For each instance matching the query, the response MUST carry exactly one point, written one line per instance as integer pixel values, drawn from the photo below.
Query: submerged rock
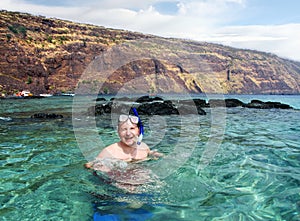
(47, 116)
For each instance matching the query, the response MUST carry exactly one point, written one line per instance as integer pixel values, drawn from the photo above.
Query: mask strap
(140, 138)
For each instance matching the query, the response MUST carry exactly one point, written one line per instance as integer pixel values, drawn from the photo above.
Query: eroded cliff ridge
(48, 55)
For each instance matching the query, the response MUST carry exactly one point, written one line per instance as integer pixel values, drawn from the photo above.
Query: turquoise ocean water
(254, 173)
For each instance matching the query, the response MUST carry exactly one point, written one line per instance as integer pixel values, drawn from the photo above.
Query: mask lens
(123, 117)
(134, 119)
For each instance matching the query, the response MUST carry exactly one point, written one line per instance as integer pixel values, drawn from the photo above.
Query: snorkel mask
(140, 125)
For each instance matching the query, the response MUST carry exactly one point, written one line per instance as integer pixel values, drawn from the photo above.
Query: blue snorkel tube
(140, 125)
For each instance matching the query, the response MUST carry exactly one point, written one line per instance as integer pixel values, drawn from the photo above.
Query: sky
(264, 25)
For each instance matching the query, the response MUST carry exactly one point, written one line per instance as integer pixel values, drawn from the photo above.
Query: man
(129, 148)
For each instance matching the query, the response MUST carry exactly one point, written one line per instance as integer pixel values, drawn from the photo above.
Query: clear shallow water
(255, 174)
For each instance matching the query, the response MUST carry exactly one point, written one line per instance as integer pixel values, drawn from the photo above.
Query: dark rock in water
(200, 103)
(47, 116)
(266, 105)
(192, 106)
(100, 109)
(145, 99)
(230, 102)
(157, 108)
(100, 99)
(110, 107)
(233, 102)
(278, 105)
(197, 102)
(216, 103)
(188, 109)
(125, 99)
(121, 107)
(253, 104)
(146, 108)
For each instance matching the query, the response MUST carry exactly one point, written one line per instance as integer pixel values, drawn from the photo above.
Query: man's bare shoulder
(144, 146)
(112, 146)
(108, 151)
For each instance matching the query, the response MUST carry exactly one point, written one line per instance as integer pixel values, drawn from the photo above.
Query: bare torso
(122, 152)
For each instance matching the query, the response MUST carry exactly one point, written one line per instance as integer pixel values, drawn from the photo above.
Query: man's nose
(128, 132)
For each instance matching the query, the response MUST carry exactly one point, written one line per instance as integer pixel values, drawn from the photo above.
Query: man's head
(128, 129)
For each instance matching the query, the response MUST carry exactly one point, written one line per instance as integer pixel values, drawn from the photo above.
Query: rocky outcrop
(266, 105)
(146, 106)
(157, 106)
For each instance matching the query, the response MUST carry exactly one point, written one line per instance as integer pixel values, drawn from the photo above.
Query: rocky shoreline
(147, 105)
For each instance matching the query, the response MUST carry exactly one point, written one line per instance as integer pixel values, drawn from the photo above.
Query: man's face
(128, 133)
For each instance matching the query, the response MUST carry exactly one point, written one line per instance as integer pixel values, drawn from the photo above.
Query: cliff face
(47, 55)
